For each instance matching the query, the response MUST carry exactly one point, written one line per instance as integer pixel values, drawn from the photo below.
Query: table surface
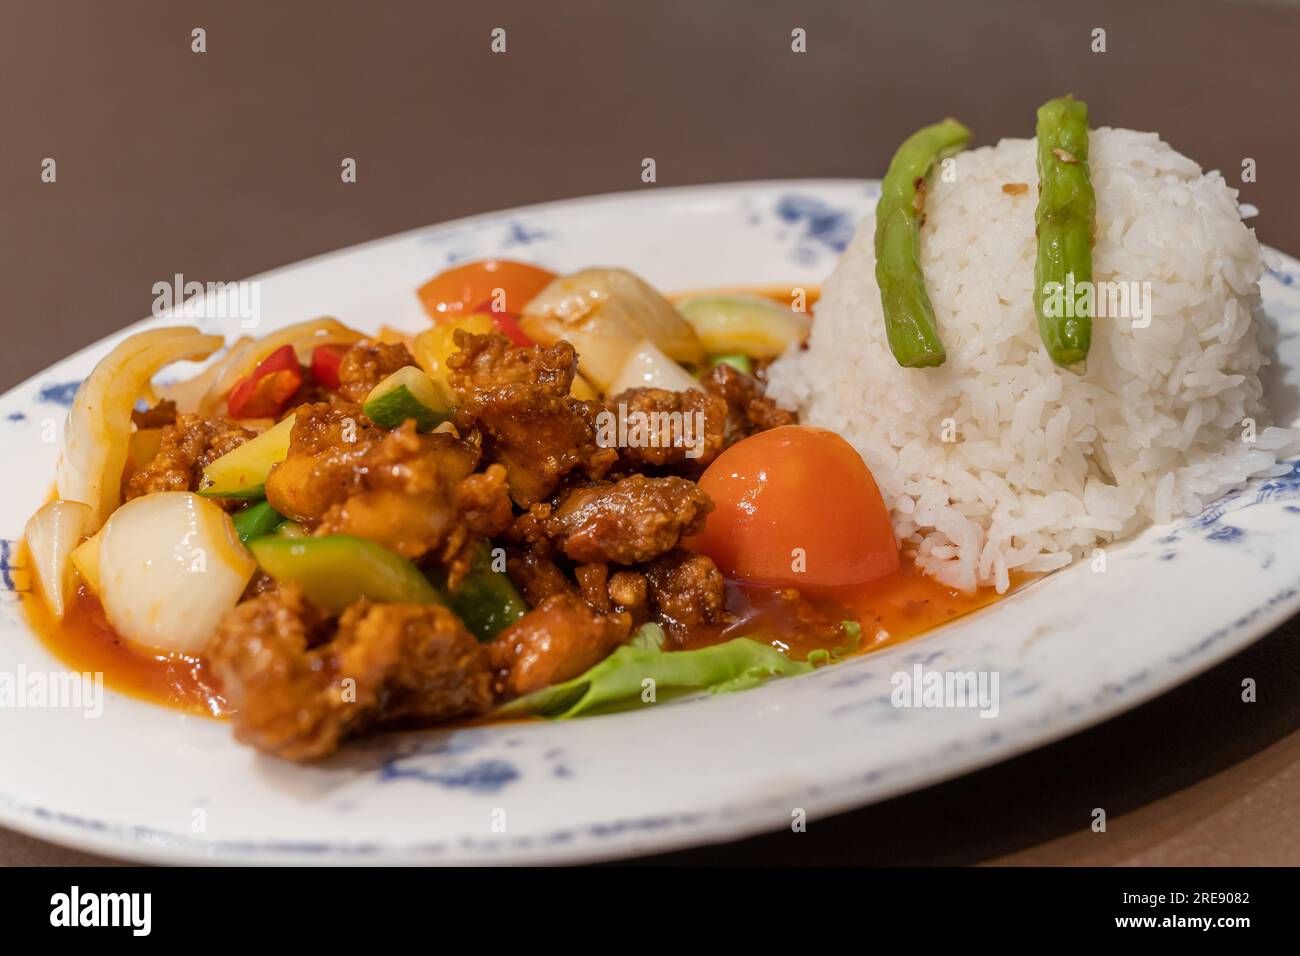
(224, 164)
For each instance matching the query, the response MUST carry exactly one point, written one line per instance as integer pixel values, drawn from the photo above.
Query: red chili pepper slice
(265, 397)
(267, 391)
(325, 361)
(282, 358)
(507, 324)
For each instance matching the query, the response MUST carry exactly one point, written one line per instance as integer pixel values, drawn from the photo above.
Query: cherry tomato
(796, 507)
(504, 284)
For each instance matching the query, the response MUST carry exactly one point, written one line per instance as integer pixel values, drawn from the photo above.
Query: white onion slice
(647, 367)
(52, 535)
(604, 313)
(188, 394)
(170, 565)
(98, 432)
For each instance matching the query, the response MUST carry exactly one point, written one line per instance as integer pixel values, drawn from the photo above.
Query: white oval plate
(148, 783)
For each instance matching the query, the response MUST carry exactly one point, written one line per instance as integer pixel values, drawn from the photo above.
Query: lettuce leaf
(616, 682)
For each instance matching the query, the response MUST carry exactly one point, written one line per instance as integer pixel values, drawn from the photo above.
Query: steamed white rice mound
(1042, 465)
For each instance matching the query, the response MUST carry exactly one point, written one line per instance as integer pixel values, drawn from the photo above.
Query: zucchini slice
(335, 571)
(487, 600)
(408, 393)
(747, 324)
(242, 472)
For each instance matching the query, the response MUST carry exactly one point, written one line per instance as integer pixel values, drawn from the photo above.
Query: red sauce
(84, 641)
(894, 608)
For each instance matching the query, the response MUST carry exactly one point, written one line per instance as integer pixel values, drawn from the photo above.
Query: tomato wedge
(505, 285)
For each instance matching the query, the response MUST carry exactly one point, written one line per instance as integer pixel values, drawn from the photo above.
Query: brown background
(226, 164)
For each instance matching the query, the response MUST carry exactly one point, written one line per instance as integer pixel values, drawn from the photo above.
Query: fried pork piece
(483, 506)
(557, 640)
(625, 522)
(484, 502)
(680, 428)
(485, 362)
(519, 399)
(687, 590)
(749, 409)
(407, 491)
(366, 365)
(293, 696)
(188, 446)
(536, 575)
(629, 591)
(593, 583)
